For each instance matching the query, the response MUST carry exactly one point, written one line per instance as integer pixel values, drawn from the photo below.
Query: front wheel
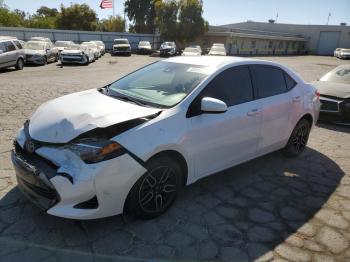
(156, 190)
(19, 64)
(298, 139)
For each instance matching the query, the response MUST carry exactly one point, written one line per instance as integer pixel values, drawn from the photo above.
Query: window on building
(253, 44)
(280, 45)
(293, 45)
(270, 80)
(270, 44)
(242, 44)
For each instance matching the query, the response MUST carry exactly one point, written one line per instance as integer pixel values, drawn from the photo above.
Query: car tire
(87, 61)
(298, 139)
(156, 190)
(19, 64)
(44, 60)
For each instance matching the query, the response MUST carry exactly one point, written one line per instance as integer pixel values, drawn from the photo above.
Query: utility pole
(329, 15)
(276, 18)
(113, 9)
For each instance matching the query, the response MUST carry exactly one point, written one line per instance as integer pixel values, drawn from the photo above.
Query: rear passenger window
(2, 47)
(270, 80)
(10, 46)
(233, 86)
(18, 44)
(290, 82)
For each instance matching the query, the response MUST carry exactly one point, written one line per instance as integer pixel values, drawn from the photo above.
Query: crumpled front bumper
(73, 59)
(35, 59)
(74, 189)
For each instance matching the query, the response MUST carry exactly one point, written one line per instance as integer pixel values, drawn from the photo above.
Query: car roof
(212, 61)
(8, 38)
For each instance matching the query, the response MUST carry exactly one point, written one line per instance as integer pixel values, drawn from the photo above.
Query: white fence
(79, 36)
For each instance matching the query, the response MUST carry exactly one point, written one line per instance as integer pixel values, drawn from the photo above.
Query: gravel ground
(271, 208)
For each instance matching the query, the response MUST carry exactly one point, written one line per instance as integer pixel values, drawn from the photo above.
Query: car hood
(333, 89)
(167, 47)
(78, 52)
(34, 52)
(63, 119)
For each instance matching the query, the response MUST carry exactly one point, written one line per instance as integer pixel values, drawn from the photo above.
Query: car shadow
(235, 215)
(334, 127)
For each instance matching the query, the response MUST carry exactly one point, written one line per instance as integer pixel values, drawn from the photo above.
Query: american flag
(106, 4)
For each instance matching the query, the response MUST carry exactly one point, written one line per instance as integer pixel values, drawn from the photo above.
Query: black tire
(298, 139)
(87, 61)
(19, 64)
(156, 190)
(44, 60)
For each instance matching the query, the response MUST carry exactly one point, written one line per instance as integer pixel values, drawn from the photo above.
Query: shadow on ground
(334, 127)
(237, 215)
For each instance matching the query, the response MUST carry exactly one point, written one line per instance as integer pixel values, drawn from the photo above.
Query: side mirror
(213, 105)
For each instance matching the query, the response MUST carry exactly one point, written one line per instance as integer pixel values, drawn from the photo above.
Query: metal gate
(328, 42)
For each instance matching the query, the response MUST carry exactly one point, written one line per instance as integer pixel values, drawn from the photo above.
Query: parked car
(40, 52)
(62, 45)
(121, 46)
(218, 44)
(344, 53)
(41, 39)
(168, 49)
(198, 47)
(101, 46)
(192, 51)
(11, 53)
(337, 52)
(144, 47)
(134, 143)
(334, 88)
(77, 54)
(95, 49)
(217, 50)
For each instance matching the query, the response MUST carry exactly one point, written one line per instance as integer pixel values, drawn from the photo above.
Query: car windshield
(121, 42)
(340, 74)
(34, 46)
(191, 50)
(62, 44)
(162, 84)
(144, 43)
(217, 49)
(74, 47)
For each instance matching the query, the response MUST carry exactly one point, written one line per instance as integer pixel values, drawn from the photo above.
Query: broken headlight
(95, 150)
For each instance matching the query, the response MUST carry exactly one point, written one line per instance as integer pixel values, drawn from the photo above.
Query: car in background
(334, 89)
(41, 39)
(121, 46)
(218, 44)
(133, 144)
(11, 53)
(337, 52)
(144, 47)
(168, 49)
(192, 51)
(344, 53)
(40, 52)
(101, 46)
(217, 50)
(62, 45)
(94, 47)
(77, 54)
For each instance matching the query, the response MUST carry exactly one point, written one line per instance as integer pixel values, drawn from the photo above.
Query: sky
(219, 12)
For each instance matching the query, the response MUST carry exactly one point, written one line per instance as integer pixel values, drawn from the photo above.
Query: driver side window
(233, 86)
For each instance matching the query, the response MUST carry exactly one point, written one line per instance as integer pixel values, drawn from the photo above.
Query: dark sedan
(334, 89)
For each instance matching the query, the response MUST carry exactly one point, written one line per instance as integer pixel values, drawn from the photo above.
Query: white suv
(121, 46)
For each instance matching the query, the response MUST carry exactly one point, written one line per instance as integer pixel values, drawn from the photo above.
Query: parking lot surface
(271, 208)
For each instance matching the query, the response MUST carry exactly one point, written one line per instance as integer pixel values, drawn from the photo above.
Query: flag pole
(113, 9)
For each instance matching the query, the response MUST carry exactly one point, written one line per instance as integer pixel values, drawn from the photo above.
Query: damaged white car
(133, 144)
(77, 54)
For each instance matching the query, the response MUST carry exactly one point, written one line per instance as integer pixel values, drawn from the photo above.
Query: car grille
(72, 59)
(121, 48)
(329, 105)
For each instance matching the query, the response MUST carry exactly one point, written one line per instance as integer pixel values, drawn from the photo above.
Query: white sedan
(77, 54)
(133, 144)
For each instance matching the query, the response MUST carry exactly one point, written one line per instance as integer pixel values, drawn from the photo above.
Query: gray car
(40, 52)
(11, 53)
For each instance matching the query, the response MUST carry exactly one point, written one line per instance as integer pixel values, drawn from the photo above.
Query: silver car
(40, 52)
(11, 53)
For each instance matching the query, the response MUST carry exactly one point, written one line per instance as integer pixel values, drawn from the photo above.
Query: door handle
(253, 112)
(296, 99)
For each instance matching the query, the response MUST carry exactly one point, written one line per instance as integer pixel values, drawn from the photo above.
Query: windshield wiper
(128, 99)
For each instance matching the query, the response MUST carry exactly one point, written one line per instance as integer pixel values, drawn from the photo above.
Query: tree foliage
(77, 17)
(112, 24)
(166, 18)
(142, 13)
(8, 18)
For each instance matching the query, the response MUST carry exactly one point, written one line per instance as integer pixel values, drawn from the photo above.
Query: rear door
(3, 55)
(224, 139)
(278, 103)
(11, 53)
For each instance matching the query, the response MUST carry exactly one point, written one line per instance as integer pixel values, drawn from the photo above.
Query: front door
(225, 139)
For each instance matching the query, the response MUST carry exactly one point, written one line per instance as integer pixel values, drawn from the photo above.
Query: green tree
(191, 23)
(77, 17)
(9, 18)
(45, 11)
(166, 18)
(142, 13)
(112, 24)
(44, 18)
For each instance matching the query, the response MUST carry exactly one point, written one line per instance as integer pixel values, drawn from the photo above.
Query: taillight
(317, 93)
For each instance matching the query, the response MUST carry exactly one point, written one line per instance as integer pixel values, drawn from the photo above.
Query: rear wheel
(19, 64)
(298, 139)
(156, 190)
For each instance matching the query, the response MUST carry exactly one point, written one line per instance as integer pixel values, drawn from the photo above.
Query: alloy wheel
(300, 139)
